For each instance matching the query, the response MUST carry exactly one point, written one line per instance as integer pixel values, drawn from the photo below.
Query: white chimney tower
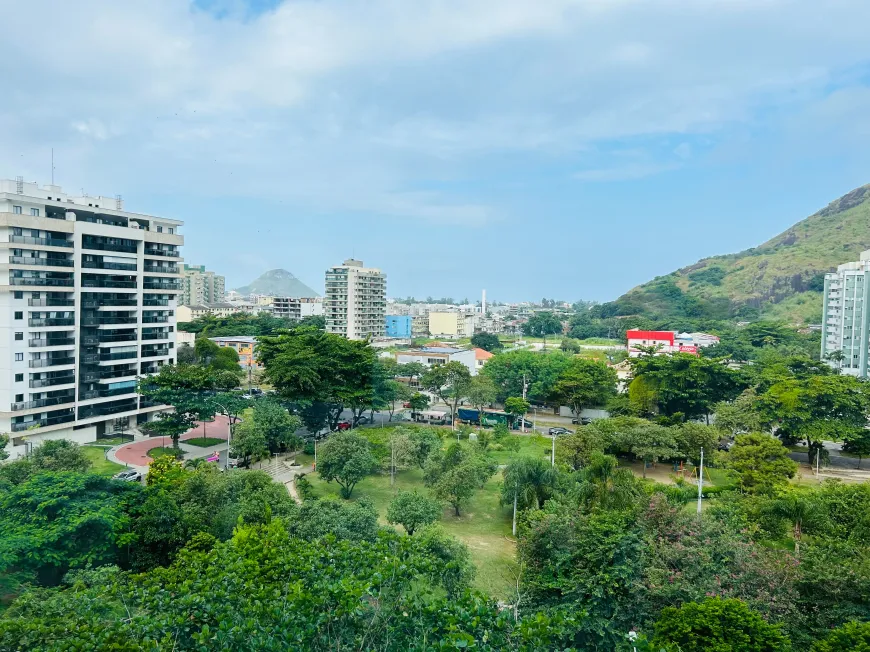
(483, 304)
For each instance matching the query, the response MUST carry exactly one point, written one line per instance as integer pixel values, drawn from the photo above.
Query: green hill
(278, 283)
(780, 279)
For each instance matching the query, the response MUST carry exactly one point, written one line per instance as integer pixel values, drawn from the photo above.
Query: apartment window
(19, 336)
(19, 378)
(16, 210)
(171, 230)
(159, 229)
(19, 357)
(36, 295)
(19, 314)
(34, 212)
(19, 398)
(18, 294)
(16, 230)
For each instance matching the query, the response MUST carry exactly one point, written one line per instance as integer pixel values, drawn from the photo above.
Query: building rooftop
(482, 354)
(244, 339)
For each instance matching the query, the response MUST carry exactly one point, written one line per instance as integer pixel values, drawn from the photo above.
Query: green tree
(346, 457)
(854, 637)
(455, 474)
(410, 370)
(517, 407)
(56, 521)
(739, 416)
(487, 342)
(692, 437)
(799, 511)
(59, 455)
(585, 383)
(818, 409)
(649, 442)
(603, 484)
(450, 382)
(531, 480)
(481, 394)
(542, 324)
(719, 626)
(249, 442)
(761, 462)
(310, 366)
(394, 393)
(413, 510)
(277, 425)
(4, 441)
(684, 384)
(419, 402)
(510, 370)
(424, 442)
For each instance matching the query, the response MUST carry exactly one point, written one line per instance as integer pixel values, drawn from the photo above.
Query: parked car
(343, 425)
(129, 475)
(559, 430)
(362, 420)
(583, 421)
(406, 404)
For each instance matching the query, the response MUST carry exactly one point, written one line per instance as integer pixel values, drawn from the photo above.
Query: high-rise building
(356, 300)
(845, 317)
(200, 286)
(87, 298)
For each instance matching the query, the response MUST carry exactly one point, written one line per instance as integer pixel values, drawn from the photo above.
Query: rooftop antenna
(19, 185)
(119, 202)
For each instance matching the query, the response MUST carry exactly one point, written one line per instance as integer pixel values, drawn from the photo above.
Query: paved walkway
(135, 454)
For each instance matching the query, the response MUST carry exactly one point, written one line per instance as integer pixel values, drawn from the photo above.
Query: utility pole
(522, 416)
(701, 482)
(553, 454)
(514, 527)
(392, 463)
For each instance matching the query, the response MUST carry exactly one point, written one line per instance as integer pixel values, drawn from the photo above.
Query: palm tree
(604, 484)
(836, 356)
(528, 482)
(799, 512)
(194, 463)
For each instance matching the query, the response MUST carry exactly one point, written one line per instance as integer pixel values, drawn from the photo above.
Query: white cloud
(385, 107)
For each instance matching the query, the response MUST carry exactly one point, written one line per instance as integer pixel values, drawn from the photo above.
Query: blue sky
(558, 148)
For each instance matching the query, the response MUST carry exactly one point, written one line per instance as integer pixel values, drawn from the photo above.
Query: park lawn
(530, 446)
(600, 341)
(205, 442)
(484, 525)
(108, 442)
(99, 464)
(158, 451)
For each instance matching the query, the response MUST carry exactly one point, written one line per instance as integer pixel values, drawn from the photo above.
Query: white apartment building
(200, 286)
(356, 301)
(845, 320)
(296, 308)
(87, 300)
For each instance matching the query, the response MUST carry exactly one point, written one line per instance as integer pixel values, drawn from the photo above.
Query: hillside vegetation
(780, 279)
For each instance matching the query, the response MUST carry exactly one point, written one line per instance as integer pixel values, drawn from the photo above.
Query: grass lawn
(158, 451)
(205, 442)
(111, 441)
(484, 525)
(600, 341)
(100, 465)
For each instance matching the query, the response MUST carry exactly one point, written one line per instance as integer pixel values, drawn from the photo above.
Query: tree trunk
(644, 468)
(456, 508)
(797, 539)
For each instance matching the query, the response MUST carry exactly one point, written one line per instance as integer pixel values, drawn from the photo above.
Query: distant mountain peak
(278, 283)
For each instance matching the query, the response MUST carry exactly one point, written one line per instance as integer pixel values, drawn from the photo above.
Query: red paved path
(135, 453)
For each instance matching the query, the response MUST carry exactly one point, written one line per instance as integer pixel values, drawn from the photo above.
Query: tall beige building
(356, 301)
(199, 286)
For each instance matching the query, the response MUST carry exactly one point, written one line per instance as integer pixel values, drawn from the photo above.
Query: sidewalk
(135, 454)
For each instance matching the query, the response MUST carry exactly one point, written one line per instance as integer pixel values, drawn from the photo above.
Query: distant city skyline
(567, 148)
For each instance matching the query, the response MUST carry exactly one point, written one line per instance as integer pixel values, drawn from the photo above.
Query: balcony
(153, 251)
(111, 374)
(21, 426)
(33, 260)
(155, 336)
(154, 319)
(104, 409)
(108, 282)
(45, 242)
(121, 337)
(55, 341)
(109, 303)
(51, 382)
(109, 244)
(51, 362)
(165, 269)
(147, 301)
(109, 320)
(122, 355)
(43, 402)
(38, 280)
(156, 353)
(50, 302)
(51, 321)
(103, 393)
(154, 284)
(95, 264)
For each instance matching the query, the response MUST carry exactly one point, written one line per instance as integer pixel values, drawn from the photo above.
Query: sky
(567, 149)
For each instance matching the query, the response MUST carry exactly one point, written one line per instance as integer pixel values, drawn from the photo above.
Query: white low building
(435, 355)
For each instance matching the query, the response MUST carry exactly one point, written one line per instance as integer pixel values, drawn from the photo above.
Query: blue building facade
(398, 326)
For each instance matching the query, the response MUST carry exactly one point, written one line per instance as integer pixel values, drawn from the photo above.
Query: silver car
(129, 475)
